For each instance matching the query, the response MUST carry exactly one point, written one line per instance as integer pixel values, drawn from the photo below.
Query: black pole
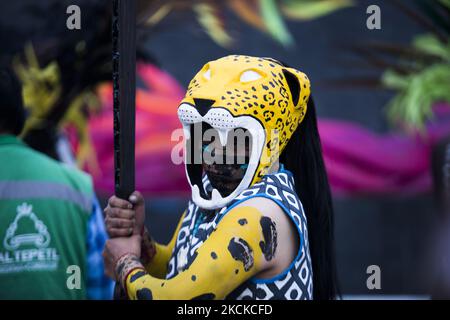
(124, 90)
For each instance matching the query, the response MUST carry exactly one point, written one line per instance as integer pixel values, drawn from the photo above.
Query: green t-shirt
(44, 210)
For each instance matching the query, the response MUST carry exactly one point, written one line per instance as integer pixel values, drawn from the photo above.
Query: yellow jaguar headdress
(257, 94)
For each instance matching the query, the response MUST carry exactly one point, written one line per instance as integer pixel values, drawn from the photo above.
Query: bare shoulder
(268, 208)
(281, 242)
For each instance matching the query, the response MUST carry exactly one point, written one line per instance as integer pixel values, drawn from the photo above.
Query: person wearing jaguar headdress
(259, 224)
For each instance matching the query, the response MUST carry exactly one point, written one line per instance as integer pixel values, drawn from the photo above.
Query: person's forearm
(154, 256)
(230, 256)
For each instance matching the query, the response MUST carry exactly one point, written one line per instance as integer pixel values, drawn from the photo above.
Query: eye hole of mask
(250, 75)
(207, 74)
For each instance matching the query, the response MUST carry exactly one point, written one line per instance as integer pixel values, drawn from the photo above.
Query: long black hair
(303, 157)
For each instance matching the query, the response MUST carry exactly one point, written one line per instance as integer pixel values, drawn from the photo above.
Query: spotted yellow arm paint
(231, 255)
(155, 256)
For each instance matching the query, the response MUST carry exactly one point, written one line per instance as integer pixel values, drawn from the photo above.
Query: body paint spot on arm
(144, 294)
(240, 250)
(137, 275)
(269, 245)
(242, 222)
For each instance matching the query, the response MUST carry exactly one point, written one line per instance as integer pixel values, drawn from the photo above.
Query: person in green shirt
(51, 226)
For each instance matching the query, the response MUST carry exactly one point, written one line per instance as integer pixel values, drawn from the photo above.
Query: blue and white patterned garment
(98, 286)
(295, 283)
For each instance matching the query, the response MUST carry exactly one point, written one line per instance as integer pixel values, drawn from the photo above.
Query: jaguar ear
(294, 85)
